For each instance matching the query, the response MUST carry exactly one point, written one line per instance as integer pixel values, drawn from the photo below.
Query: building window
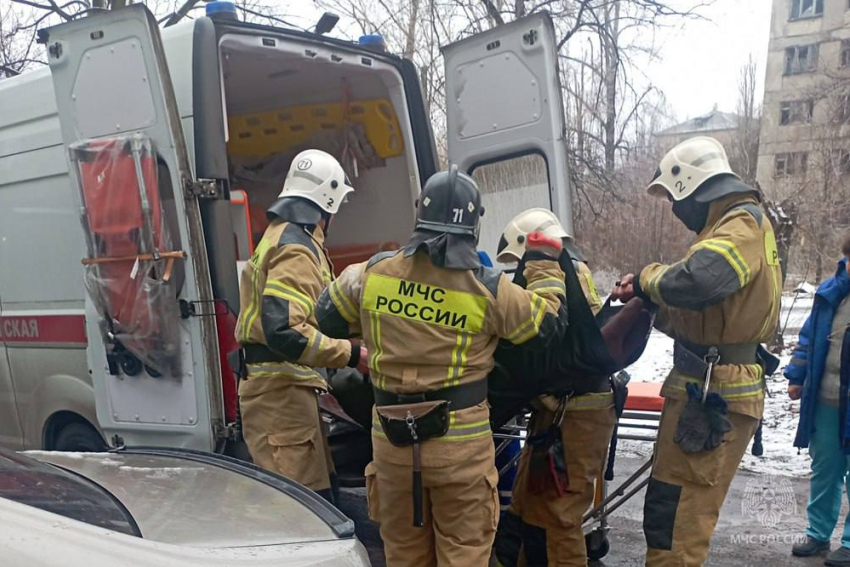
(841, 161)
(791, 163)
(806, 9)
(845, 52)
(796, 111)
(801, 59)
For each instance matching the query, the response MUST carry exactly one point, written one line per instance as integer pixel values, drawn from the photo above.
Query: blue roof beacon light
(222, 10)
(373, 42)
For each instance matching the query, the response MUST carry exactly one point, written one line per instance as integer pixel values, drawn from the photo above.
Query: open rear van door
(154, 359)
(505, 121)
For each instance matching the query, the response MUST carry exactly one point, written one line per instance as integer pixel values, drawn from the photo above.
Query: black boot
(838, 558)
(810, 547)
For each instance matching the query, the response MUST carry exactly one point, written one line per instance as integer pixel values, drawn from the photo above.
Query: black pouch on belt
(409, 425)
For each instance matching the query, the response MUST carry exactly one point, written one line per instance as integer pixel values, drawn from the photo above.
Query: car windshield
(184, 501)
(62, 492)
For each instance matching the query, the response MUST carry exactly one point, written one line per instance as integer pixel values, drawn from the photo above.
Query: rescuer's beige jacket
(278, 290)
(588, 286)
(725, 291)
(429, 328)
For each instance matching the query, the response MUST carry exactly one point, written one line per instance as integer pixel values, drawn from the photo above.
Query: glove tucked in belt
(702, 425)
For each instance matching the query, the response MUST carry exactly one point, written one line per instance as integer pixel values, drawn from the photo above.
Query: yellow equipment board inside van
(275, 131)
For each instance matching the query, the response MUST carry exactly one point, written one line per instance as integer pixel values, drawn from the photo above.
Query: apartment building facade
(806, 111)
(804, 144)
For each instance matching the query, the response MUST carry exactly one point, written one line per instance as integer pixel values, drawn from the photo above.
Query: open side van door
(505, 121)
(154, 360)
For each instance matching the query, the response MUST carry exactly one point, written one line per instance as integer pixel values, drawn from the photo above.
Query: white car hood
(34, 538)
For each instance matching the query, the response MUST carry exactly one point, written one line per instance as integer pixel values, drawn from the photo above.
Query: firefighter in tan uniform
(543, 526)
(432, 316)
(719, 303)
(284, 350)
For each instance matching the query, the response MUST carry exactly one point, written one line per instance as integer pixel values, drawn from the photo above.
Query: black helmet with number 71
(450, 203)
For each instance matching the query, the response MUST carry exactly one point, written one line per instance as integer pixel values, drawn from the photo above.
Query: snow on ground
(780, 413)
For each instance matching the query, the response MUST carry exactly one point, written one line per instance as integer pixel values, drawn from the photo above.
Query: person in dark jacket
(819, 375)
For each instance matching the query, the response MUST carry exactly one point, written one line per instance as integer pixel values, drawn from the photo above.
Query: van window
(508, 187)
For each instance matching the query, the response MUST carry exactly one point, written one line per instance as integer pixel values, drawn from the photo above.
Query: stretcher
(130, 260)
(641, 417)
(642, 413)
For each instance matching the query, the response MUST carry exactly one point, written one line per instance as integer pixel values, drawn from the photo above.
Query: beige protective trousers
(460, 506)
(686, 491)
(551, 526)
(285, 433)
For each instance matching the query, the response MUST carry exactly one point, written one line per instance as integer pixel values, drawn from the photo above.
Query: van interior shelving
(285, 96)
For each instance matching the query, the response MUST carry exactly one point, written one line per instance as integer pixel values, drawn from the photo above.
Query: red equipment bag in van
(130, 258)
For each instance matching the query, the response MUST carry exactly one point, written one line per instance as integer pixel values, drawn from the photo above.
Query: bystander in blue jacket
(819, 373)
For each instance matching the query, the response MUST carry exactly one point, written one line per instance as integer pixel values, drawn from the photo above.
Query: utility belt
(460, 397)
(256, 353)
(260, 360)
(408, 420)
(582, 385)
(691, 359)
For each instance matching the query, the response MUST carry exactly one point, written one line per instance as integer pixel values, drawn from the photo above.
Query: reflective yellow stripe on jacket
(530, 326)
(591, 401)
(732, 255)
(733, 391)
(247, 317)
(284, 291)
(271, 369)
(344, 305)
(548, 285)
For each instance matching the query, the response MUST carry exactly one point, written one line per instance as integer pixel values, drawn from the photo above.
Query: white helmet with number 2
(512, 244)
(318, 177)
(687, 166)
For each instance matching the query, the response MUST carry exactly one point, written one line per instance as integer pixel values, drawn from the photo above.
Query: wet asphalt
(763, 516)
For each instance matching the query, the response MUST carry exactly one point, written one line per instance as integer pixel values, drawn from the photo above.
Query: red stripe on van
(66, 329)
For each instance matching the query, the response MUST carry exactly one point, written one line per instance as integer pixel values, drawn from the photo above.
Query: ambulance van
(135, 170)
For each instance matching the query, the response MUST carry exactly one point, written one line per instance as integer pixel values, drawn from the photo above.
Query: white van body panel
(42, 335)
(43, 368)
(46, 320)
(110, 78)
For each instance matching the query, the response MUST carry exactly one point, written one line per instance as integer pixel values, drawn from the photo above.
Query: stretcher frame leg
(619, 496)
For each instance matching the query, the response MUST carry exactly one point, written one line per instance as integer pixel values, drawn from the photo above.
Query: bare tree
(16, 55)
(743, 153)
(21, 19)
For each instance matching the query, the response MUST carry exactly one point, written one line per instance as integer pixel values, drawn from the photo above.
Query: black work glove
(701, 425)
(718, 420)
